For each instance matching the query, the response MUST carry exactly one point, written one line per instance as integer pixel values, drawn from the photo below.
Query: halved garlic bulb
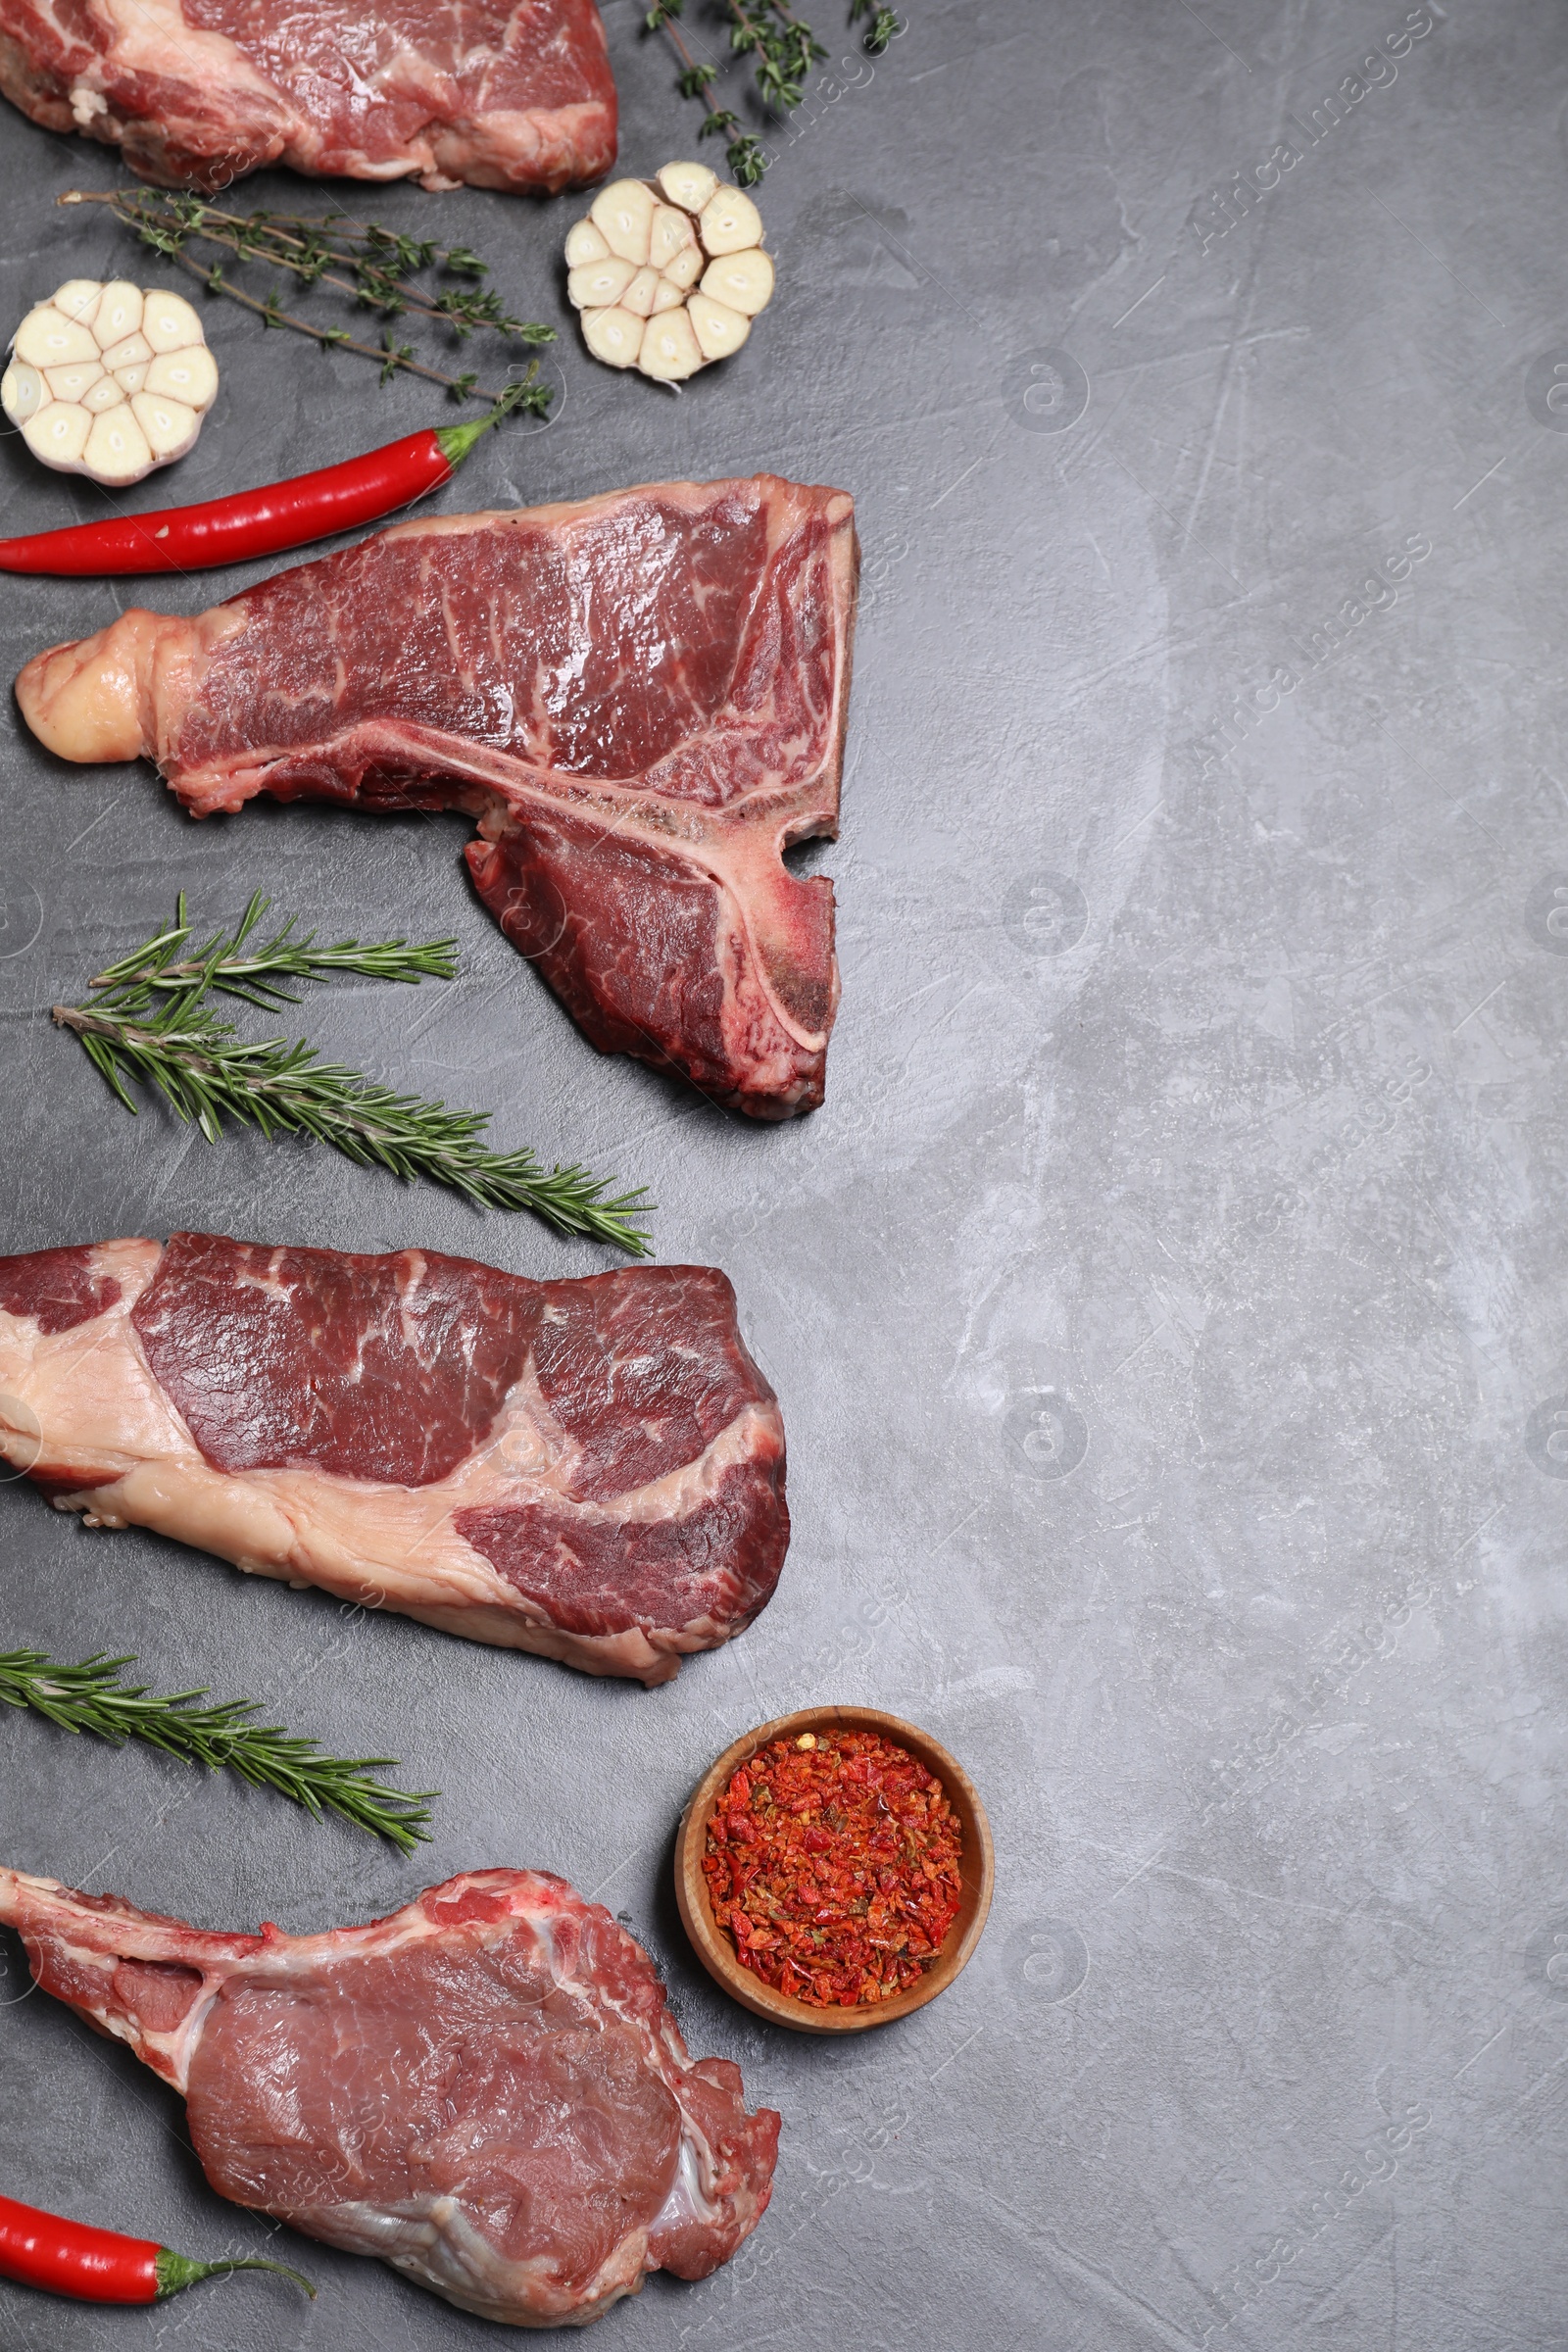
(669, 274)
(110, 380)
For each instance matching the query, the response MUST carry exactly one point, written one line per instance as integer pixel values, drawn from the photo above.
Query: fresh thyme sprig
(92, 1698)
(882, 29)
(742, 153)
(148, 1023)
(373, 266)
(784, 49)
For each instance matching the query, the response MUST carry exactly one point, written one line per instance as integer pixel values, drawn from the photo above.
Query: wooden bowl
(717, 1953)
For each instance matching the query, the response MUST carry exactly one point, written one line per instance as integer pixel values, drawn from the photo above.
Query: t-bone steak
(592, 1469)
(641, 699)
(500, 93)
(487, 2089)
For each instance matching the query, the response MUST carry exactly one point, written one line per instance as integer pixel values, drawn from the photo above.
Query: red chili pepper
(255, 522)
(97, 2266)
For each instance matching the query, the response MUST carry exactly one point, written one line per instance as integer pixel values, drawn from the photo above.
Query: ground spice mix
(832, 1863)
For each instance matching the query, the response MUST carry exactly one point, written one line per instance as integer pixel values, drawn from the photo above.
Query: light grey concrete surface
(1168, 1304)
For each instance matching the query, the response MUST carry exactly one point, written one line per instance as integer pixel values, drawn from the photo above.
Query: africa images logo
(1546, 1436)
(1046, 391)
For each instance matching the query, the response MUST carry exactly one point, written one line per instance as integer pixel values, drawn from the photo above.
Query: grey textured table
(1167, 1306)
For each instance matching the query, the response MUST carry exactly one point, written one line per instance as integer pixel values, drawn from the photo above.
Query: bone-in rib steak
(487, 2089)
(593, 1469)
(640, 697)
(500, 93)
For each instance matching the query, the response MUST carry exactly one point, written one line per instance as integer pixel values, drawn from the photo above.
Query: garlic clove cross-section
(689, 185)
(669, 233)
(119, 313)
(110, 380)
(118, 451)
(730, 221)
(78, 298)
(670, 349)
(58, 433)
(597, 284)
(584, 244)
(168, 424)
(669, 274)
(719, 329)
(25, 391)
(624, 214)
(639, 297)
(744, 280)
(169, 323)
(613, 336)
(75, 381)
(189, 374)
(130, 351)
(686, 269)
(47, 338)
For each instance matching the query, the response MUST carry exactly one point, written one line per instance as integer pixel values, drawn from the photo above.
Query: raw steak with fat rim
(487, 2089)
(500, 93)
(593, 1469)
(641, 699)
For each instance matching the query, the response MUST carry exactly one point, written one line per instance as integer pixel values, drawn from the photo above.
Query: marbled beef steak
(487, 2089)
(592, 1469)
(500, 93)
(640, 699)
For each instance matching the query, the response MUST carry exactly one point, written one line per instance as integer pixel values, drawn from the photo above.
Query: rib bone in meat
(486, 2089)
(640, 699)
(590, 1469)
(500, 93)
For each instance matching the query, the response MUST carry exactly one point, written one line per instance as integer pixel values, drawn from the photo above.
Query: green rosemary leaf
(148, 1024)
(258, 976)
(92, 1698)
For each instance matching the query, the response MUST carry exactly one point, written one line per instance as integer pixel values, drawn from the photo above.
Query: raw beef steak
(593, 1469)
(641, 699)
(500, 93)
(487, 2089)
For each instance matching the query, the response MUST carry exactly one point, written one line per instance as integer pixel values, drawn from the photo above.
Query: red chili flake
(833, 1864)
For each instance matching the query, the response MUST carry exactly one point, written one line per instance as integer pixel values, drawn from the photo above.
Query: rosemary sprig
(258, 975)
(148, 1026)
(92, 1698)
(374, 266)
(784, 50)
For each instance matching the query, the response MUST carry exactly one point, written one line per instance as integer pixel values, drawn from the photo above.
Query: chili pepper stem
(101, 2266)
(456, 440)
(178, 2270)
